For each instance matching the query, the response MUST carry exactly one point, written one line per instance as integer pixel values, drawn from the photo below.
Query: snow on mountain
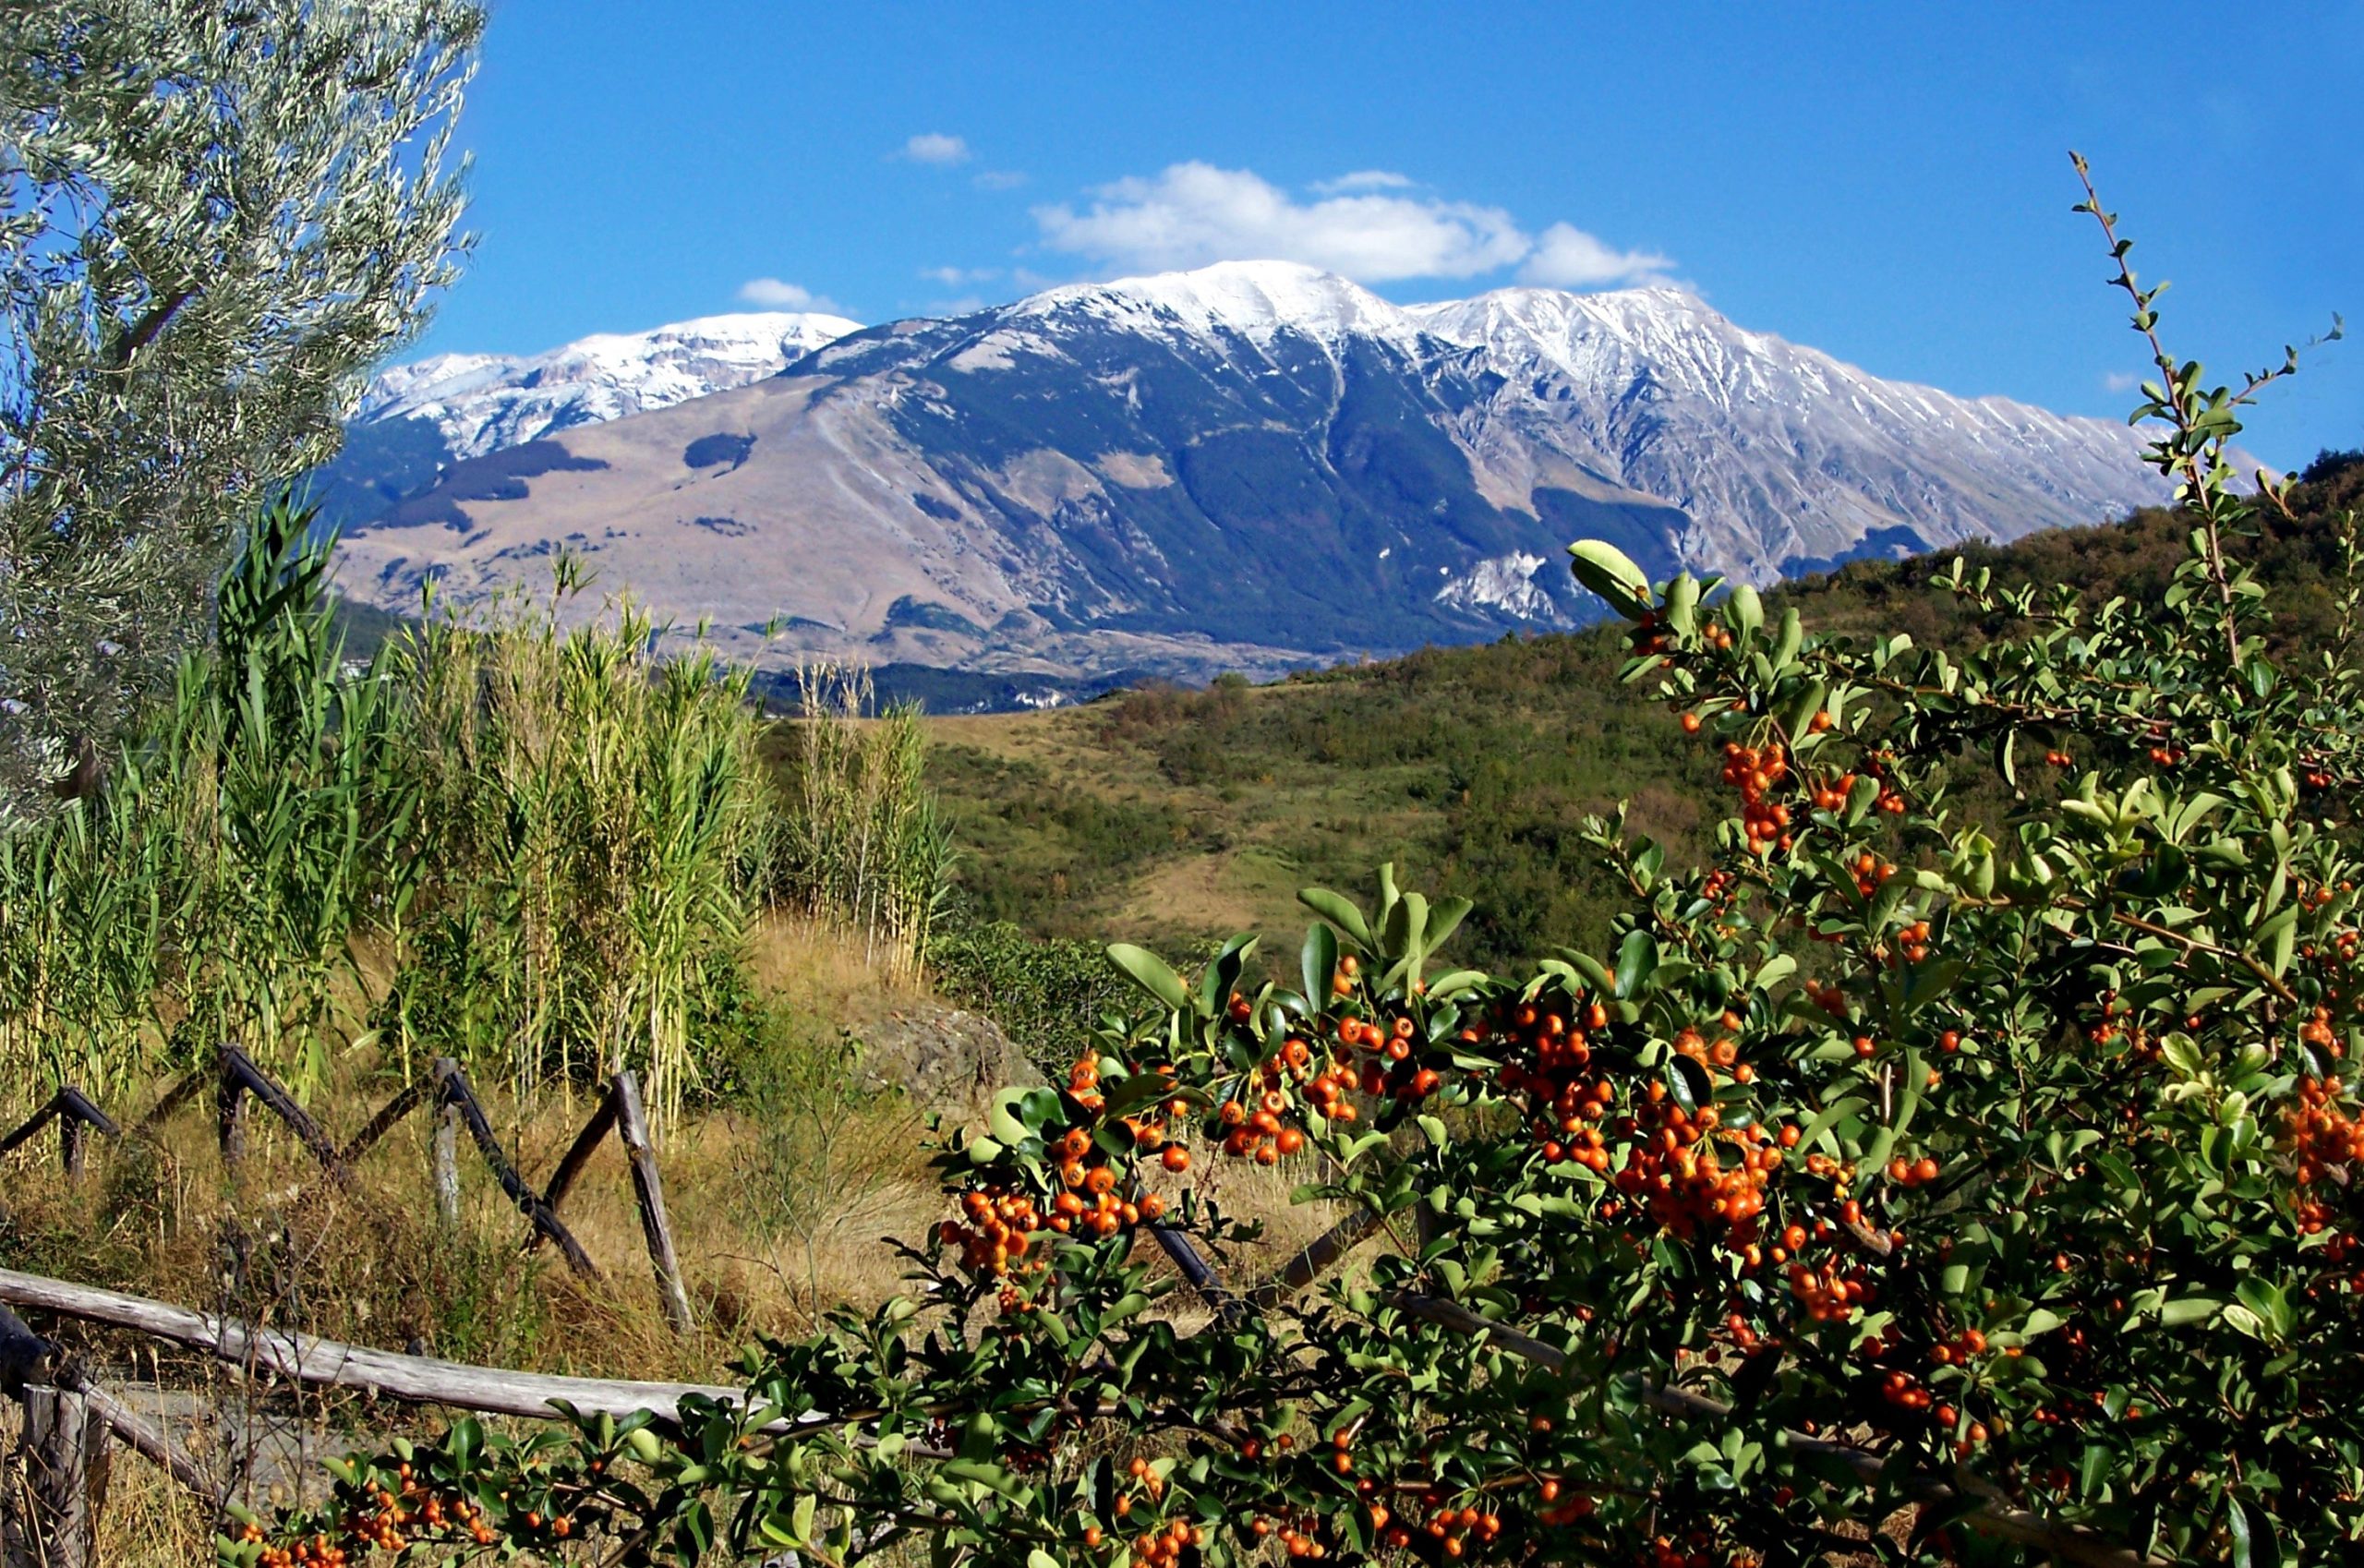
(1782, 456)
(481, 403)
(1249, 466)
(1254, 300)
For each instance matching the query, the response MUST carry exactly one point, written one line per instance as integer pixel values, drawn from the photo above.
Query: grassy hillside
(1168, 816)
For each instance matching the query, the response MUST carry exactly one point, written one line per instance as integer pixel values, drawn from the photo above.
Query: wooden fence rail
(70, 1420)
(237, 1081)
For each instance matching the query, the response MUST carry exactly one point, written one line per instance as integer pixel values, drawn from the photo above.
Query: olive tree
(216, 218)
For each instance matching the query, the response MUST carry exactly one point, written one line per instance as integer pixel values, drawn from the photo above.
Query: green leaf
(1444, 918)
(1150, 973)
(1606, 571)
(1682, 603)
(1829, 1118)
(1339, 911)
(1748, 610)
(1688, 1083)
(1636, 955)
(1318, 964)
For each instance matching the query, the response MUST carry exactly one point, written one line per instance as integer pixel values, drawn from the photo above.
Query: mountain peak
(1251, 299)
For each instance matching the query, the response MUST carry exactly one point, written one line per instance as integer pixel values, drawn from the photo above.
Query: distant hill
(1254, 467)
(1170, 816)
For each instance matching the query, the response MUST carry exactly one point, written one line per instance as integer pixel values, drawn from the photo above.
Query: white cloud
(1362, 179)
(1566, 256)
(2120, 381)
(999, 179)
(1369, 227)
(935, 147)
(774, 295)
(1196, 213)
(954, 277)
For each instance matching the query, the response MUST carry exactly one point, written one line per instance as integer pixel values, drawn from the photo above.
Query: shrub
(1049, 995)
(1911, 1181)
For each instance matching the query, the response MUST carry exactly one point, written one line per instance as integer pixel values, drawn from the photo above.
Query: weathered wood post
(230, 1115)
(446, 1160)
(632, 1126)
(65, 1454)
(73, 1137)
(77, 1119)
(51, 1520)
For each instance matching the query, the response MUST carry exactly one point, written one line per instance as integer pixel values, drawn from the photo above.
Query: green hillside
(1168, 816)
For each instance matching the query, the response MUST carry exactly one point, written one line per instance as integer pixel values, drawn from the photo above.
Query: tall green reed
(526, 837)
(862, 842)
(595, 820)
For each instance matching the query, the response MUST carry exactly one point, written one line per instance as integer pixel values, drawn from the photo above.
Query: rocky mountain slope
(1250, 465)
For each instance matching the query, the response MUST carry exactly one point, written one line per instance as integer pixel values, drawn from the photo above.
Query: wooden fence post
(65, 1453)
(632, 1126)
(230, 1107)
(446, 1161)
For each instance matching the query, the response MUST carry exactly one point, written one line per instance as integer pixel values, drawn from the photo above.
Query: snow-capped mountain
(1250, 464)
(416, 419)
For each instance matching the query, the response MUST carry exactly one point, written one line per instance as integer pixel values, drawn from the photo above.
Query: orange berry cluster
(314, 1550)
(1665, 1551)
(2318, 1032)
(1828, 1294)
(1000, 1230)
(1390, 1068)
(1556, 1511)
(1957, 1351)
(1830, 792)
(1912, 942)
(1675, 1171)
(2321, 1136)
(1905, 1391)
(392, 1523)
(1912, 1172)
(1564, 1094)
(1452, 1528)
(1296, 1534)
(1083, 1081)
(1168, 1544)
(1647, 635)
(1870, 872)
(1088, 1199)
(1720, 1056)
(1756, 772)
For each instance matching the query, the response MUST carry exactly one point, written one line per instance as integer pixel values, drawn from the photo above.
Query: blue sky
(1888, 182)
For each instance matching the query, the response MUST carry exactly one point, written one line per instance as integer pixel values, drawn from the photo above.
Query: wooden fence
(71, 1420)
(237, 1084)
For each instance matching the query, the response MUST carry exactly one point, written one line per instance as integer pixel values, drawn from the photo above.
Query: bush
(1048, 996)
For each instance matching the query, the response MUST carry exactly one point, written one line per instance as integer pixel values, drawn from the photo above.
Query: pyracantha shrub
(1959, 1169)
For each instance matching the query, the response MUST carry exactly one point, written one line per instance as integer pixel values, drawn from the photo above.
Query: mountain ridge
(1254, 465)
